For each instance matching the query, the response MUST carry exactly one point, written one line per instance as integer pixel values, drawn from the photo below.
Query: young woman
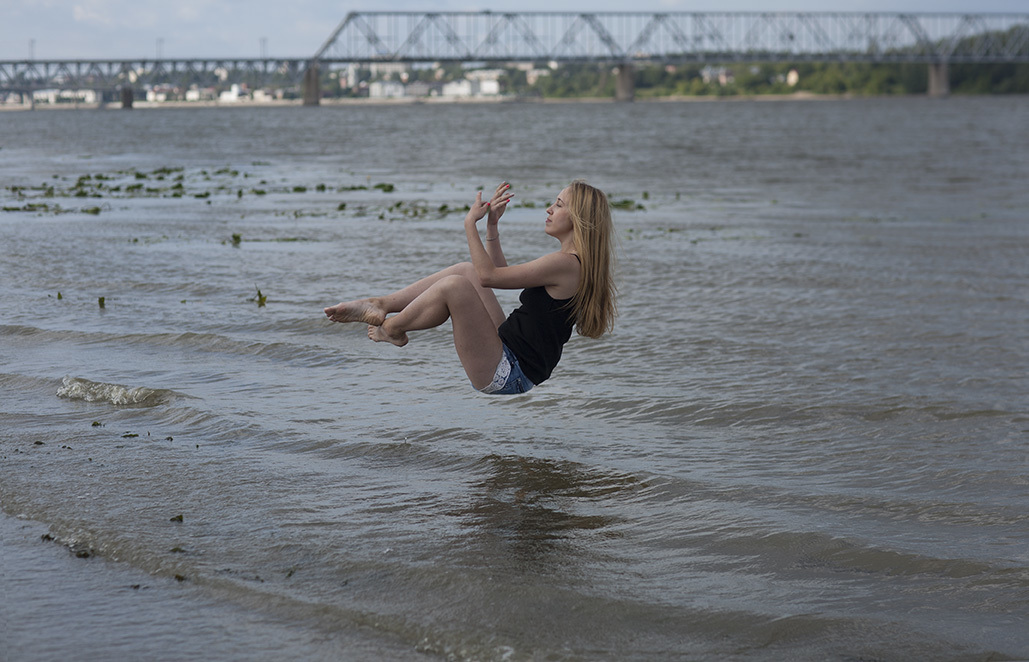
(571, 287)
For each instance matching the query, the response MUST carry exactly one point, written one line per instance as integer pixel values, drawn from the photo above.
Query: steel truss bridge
(115, 74)
(623, 39)
(676, 37)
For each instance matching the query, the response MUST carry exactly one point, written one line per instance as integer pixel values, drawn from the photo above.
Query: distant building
(232, 95)
(348, 77)
(484, 74)
(265, 95)
(387, 69)
(473, 85)
(85, 96)
(720, 74)
(196, 93)
(422, 89)
(161, 93)
(488, 79)
(55, 96)
(385, 89)
(461, 88)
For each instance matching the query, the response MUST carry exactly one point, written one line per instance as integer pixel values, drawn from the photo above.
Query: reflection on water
(529, 504)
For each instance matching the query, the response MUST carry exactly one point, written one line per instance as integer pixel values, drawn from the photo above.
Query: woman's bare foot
(363, 310)
(379, 334)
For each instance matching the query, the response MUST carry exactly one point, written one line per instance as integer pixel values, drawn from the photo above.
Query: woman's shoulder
(567, 280)
(559, 262)
(563, 257)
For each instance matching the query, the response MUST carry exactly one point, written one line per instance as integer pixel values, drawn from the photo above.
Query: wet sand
(65, 602)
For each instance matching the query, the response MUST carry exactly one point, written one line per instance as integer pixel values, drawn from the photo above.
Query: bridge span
(624, 40)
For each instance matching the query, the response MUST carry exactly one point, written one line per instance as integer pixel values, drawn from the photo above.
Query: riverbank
(414, 101)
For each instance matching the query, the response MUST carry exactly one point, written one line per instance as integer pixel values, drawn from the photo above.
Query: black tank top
(536, 332)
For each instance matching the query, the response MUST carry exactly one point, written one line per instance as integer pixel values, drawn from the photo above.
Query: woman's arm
(481, 259)
(557, 269)
(496, 209)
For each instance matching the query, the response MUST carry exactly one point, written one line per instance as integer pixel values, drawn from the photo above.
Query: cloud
(198, 11)
(91, 13)
(116, 14)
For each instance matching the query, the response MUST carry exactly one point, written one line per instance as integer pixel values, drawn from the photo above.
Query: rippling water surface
(806, 438)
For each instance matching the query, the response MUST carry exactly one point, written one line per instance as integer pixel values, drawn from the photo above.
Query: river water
(806, 439)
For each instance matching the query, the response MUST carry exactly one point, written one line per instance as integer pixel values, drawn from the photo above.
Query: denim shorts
(509, 378)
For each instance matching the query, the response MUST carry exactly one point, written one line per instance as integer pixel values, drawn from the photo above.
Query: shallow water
(806, 438)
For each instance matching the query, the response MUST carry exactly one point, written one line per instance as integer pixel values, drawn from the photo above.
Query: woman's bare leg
(475, 333)
(373, 310)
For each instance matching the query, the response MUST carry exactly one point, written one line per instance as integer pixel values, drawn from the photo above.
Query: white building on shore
(232, 95)
(386, 89)
(421, 89)
(196, 93)
(483, 83)
(461, 88)
(161, 93)
(55, 96)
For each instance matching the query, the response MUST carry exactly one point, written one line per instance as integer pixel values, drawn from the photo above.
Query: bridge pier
(939, 79)
(312, 86)
(126, 97)
(625, 82)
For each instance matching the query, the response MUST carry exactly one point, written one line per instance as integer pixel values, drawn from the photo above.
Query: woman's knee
(466, 270)
(458, 287)
(458, 282)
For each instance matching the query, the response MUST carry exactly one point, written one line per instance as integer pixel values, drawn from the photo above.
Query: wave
(21, 383)
(77, 388)
(306, 354)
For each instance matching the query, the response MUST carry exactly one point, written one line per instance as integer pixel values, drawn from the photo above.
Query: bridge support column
(625, 82)
(312, 86)
(126, 97)
(939, 79)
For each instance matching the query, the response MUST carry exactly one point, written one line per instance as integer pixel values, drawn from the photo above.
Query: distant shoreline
(413, 101)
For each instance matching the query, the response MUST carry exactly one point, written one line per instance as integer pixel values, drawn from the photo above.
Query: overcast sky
(66, 29)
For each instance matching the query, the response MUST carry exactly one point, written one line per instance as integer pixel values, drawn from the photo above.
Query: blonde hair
(593, 305)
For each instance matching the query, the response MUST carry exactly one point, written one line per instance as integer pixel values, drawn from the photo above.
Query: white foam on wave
(76, 388)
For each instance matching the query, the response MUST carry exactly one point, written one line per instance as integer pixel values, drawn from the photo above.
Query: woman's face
(559, 221)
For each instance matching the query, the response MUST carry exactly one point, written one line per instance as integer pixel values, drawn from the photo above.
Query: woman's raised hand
(498, 203)
(495, 206)
(477, 209)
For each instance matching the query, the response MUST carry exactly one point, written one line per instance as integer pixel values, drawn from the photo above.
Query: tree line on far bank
(853, 78)
(585, 80)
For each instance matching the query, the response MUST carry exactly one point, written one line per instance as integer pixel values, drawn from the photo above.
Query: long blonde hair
(593, 305)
